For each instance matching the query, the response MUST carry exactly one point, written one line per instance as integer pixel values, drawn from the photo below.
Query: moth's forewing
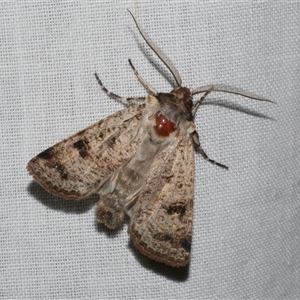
(161, 225)
(75, 167)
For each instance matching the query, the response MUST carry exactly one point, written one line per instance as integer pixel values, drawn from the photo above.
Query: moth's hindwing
(75, 167)
(161, 225)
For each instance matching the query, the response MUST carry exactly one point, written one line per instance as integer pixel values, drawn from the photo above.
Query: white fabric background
(246, 240)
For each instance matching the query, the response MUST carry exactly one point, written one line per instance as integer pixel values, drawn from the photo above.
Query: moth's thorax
(163, 126)
(168, 115)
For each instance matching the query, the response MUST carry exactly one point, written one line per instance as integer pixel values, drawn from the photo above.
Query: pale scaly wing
(75, 167)
(161, 222)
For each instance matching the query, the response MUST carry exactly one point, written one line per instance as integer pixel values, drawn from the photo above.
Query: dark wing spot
(83, 153)
(82, 148)
(176, 209)
(111, 141)
(179, 185)
(80, 145)
(47, 154)
(163, 237)
(62, 171)
(186, 245)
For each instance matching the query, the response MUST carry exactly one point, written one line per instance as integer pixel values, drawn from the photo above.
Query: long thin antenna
(230, 90)
(167, 62)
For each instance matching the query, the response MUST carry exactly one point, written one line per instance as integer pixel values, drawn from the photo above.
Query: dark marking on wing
(80, 145)
(47, 154)
(62, 171)
(163, 237)
(186, 245)
(176, 209)
(83, 153)
(111, 141)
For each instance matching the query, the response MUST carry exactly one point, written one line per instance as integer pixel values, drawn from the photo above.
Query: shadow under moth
(140, 161)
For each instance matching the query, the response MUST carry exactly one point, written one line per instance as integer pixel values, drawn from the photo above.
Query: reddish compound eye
(163, 126)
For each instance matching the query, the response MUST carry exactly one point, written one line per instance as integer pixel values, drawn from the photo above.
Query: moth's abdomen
(163, 126)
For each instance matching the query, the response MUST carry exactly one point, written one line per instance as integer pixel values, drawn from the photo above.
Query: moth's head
(176, 105)
(184, 95)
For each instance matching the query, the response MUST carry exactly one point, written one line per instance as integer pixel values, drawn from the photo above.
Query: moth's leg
(145, 84)
(196, 141)
(198, 103)
(117, 97)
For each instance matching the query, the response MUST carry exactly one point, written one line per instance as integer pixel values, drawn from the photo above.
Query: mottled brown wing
(75, 167)
(161, 223)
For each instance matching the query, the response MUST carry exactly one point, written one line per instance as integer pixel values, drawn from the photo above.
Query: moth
(140, 161)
